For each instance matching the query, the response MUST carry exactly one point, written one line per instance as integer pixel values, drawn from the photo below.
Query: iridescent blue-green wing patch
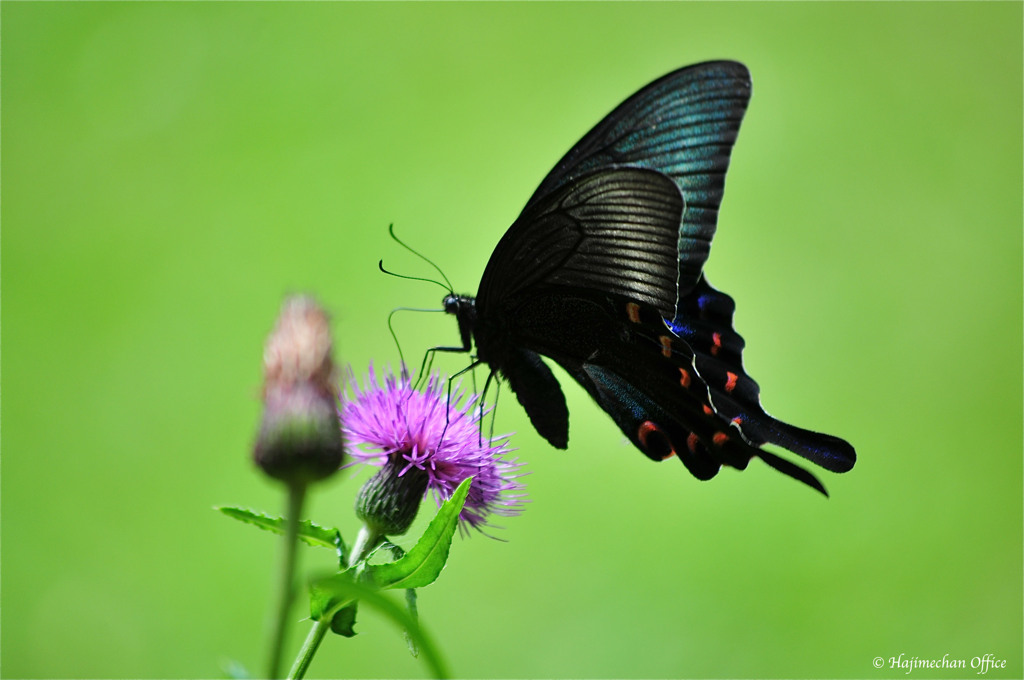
(683, 125)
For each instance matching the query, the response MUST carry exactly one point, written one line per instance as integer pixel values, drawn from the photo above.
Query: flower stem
(286, 587)
(366, 541)
(309, 647)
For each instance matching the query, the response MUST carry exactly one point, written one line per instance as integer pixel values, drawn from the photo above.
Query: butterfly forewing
(683, 125)
(612, 230)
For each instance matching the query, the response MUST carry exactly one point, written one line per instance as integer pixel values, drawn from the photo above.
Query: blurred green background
(171, 171)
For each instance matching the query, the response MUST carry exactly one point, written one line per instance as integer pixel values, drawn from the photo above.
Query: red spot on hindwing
(730, 381)
(684, 378)
(666, 345)
(720, 438)
(708, 410)
(633, 312)
(646, 429)
(716, 343)
(691, 442)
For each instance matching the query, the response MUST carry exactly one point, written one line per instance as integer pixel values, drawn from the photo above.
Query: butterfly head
(463, 308)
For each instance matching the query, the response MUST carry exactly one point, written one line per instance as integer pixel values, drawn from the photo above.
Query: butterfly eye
(451, 304)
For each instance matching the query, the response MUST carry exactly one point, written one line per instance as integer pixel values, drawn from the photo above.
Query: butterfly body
(603, 274)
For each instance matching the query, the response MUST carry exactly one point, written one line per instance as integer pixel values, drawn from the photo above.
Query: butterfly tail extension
(792, 470)
(832, 453)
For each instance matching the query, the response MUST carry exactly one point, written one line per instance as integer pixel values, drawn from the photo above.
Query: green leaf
(328, 595)
(310, 533)
(331, 594)
(343, 623)
(423, 564)
(410, 604)
(396, 551)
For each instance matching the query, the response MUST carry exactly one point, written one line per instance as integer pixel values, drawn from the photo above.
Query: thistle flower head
(425, 442)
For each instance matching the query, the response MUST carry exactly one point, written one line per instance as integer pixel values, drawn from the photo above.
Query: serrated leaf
(334, 592)
(310, 532)
(423, 564)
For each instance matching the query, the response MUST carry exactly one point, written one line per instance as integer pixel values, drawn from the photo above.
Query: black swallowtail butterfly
(602, 273)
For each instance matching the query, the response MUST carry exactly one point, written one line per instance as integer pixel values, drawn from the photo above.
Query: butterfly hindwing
(651, 426)
(652, 386)
(661, 407)
(704, 320)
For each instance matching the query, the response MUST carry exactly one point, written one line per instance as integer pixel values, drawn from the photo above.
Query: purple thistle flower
(401, 429)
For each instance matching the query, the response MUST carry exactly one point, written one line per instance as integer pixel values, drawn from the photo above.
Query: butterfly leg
(483, 401)
(494, 411)
(428, 361)
(449, 403)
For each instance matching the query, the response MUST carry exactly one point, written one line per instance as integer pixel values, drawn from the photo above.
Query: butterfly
(602, 273)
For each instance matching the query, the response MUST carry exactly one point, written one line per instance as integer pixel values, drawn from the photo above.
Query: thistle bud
(299, 440)
(389, 501)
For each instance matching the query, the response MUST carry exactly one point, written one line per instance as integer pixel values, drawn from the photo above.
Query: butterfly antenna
(391, 230)
(380, 265)
(398, 345)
